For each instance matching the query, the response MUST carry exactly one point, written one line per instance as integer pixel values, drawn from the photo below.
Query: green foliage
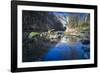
(83, 27)
(32, 34)
(84, 24)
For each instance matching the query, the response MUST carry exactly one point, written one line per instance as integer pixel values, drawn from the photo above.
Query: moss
(32, 34)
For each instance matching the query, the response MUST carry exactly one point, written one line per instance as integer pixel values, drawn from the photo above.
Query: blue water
(63, 51)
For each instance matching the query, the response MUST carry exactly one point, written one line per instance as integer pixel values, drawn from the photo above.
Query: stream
(68, 50)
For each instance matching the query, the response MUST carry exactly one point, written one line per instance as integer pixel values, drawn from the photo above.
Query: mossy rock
(32, 34)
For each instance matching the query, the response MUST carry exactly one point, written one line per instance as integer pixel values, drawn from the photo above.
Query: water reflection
(53, 47)
(68, 48)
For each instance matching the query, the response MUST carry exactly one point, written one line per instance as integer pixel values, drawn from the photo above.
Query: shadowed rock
(40, 21)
